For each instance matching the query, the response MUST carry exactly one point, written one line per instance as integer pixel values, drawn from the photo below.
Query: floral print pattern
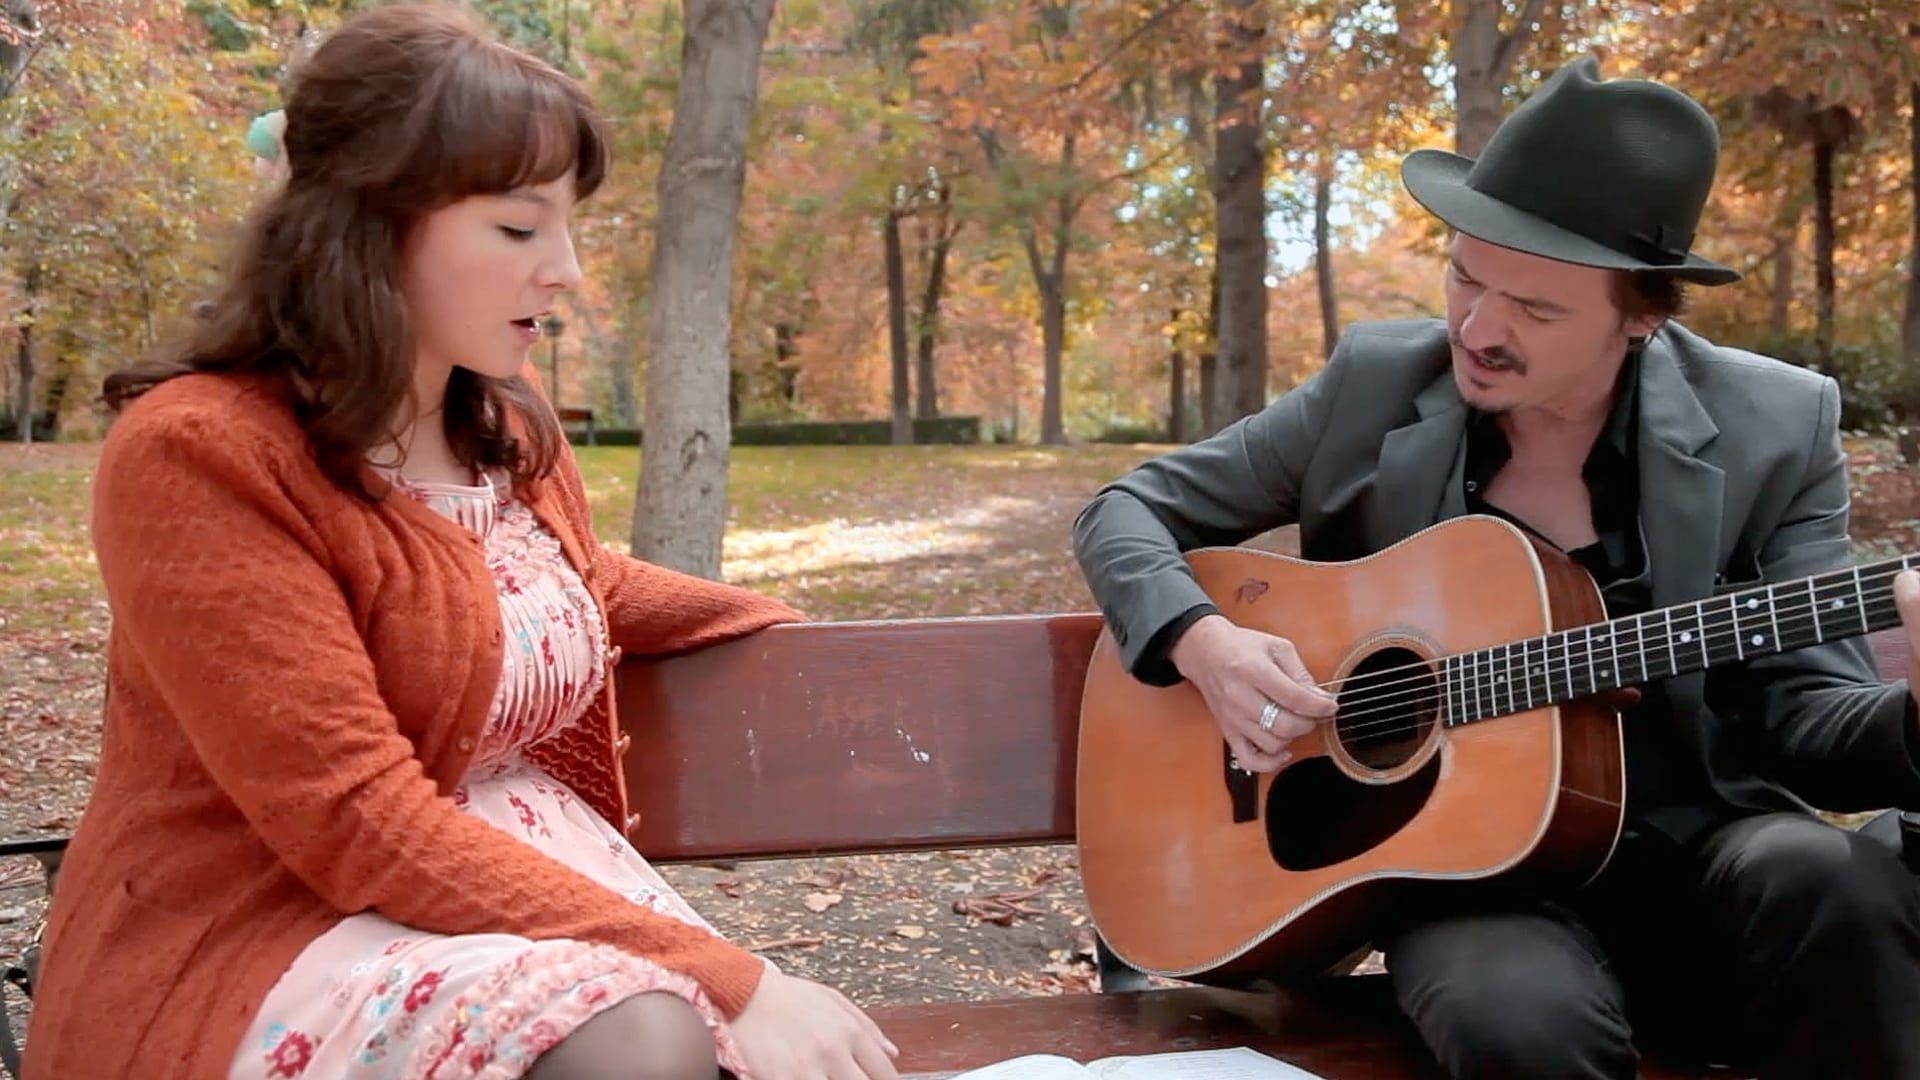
(372, 999)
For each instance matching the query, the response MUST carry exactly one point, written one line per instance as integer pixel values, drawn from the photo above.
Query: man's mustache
(1497, 356)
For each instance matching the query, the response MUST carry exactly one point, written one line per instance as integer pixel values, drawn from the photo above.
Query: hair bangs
(506, 123)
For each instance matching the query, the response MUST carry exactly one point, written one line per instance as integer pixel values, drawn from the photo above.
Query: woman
(359, 786)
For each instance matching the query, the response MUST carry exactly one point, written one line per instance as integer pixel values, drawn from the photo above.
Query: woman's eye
(516, 234)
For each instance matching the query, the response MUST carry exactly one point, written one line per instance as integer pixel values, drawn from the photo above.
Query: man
(1731, 924)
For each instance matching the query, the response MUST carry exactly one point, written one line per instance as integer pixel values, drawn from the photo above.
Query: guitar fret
(1509, 669)
(1773, 617)
(1673, 657)
(1813, 606)
(1590, 686)
(1860, 600)
(1733, 613)
(1483, 681)
(1565, 663)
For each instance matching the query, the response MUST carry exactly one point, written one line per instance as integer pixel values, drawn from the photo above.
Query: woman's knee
(655, 1036)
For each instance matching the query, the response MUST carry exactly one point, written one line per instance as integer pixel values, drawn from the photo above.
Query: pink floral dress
(372, 998)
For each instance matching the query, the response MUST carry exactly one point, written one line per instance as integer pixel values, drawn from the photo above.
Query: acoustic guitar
(1468, 746)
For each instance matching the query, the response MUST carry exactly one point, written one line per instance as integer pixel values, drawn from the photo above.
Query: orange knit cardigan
(296, 679)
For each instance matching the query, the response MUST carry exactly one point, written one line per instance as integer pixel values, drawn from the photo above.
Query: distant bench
(577, 414)
(914, 735)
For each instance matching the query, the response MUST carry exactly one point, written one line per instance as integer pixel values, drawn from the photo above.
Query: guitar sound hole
(1388, 704)
(1317, 815)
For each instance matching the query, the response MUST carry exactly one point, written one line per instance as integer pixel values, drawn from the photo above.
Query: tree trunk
(1483, 62)
(1050, 278)
(19, 41)
(1784, 244)
(928, 325)
(1323, 253)
(897, 332)
(1209, 364)
(1053, 338)
(1910, 325)
(1240, 233)
(1177, 397)
(785, 348)
(23, 402)
(1209, 393)
(626, 404)
(680, 510)
(1823, 239)
(1909, 440)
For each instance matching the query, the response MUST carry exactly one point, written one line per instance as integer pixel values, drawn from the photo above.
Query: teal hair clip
(263, 135)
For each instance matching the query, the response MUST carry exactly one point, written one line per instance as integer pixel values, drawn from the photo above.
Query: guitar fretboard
(1637, 649)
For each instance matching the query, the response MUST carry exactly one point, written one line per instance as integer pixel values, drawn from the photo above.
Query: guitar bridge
(1243, 787)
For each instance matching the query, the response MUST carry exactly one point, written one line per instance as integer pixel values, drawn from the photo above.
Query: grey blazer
(1742, 479)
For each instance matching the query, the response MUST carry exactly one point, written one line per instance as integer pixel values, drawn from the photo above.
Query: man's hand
(793, 1029)
(1906, 598)
(1238, 673)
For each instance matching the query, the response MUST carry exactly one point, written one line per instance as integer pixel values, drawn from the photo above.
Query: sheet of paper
(1238, 1063)
(1031, 1067)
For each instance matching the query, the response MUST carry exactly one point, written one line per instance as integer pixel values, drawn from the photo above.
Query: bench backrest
(849, 737)
(873, 736)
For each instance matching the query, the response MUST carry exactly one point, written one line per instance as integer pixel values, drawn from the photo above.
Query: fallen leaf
(909, 930)
(820, 901)
(728, 885)
(803, 942)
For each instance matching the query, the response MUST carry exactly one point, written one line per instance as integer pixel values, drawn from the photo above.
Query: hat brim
(1438, 181)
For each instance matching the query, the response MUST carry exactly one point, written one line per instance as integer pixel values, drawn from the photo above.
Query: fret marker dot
(1835, 606)
(1757, 639)
(1753, 602)
(1686, 636)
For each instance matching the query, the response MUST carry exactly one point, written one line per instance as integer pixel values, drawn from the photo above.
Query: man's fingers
(1252, 760)
(1906, 597)
(1299, 706)
(1302, 695)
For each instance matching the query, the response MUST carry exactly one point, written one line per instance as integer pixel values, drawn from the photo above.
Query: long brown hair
(402, 111)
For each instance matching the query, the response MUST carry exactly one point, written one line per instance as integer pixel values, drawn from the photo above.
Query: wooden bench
(842, 738)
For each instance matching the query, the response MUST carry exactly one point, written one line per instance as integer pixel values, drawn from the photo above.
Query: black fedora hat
(1611, 174)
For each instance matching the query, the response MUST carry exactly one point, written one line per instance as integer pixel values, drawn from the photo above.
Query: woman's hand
(793, 1029)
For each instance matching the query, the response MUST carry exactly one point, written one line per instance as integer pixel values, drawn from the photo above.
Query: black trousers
(1778, 944)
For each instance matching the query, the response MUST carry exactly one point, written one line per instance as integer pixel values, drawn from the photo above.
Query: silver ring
(1268, 716)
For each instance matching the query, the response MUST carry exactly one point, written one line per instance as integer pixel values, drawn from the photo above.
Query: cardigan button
(614, 654)
(623, 744)
(465, 744)
(633, 822)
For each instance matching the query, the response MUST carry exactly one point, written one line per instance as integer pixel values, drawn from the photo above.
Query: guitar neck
(1637, 649)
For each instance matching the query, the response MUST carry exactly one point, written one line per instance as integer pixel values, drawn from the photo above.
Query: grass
(846, 532)
(47, 578)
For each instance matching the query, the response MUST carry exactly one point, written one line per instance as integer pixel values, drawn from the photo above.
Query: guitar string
(1847, 591)
(1425, 688)
(1555, 652)
(1708, 623)
(1471, 688)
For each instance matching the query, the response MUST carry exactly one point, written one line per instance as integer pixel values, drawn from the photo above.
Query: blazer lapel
(1421, 464)
(1680, 495)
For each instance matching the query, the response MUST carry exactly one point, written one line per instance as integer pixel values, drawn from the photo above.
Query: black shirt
(1664, 786)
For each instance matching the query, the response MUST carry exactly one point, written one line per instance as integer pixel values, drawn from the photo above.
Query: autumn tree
(680, 512)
